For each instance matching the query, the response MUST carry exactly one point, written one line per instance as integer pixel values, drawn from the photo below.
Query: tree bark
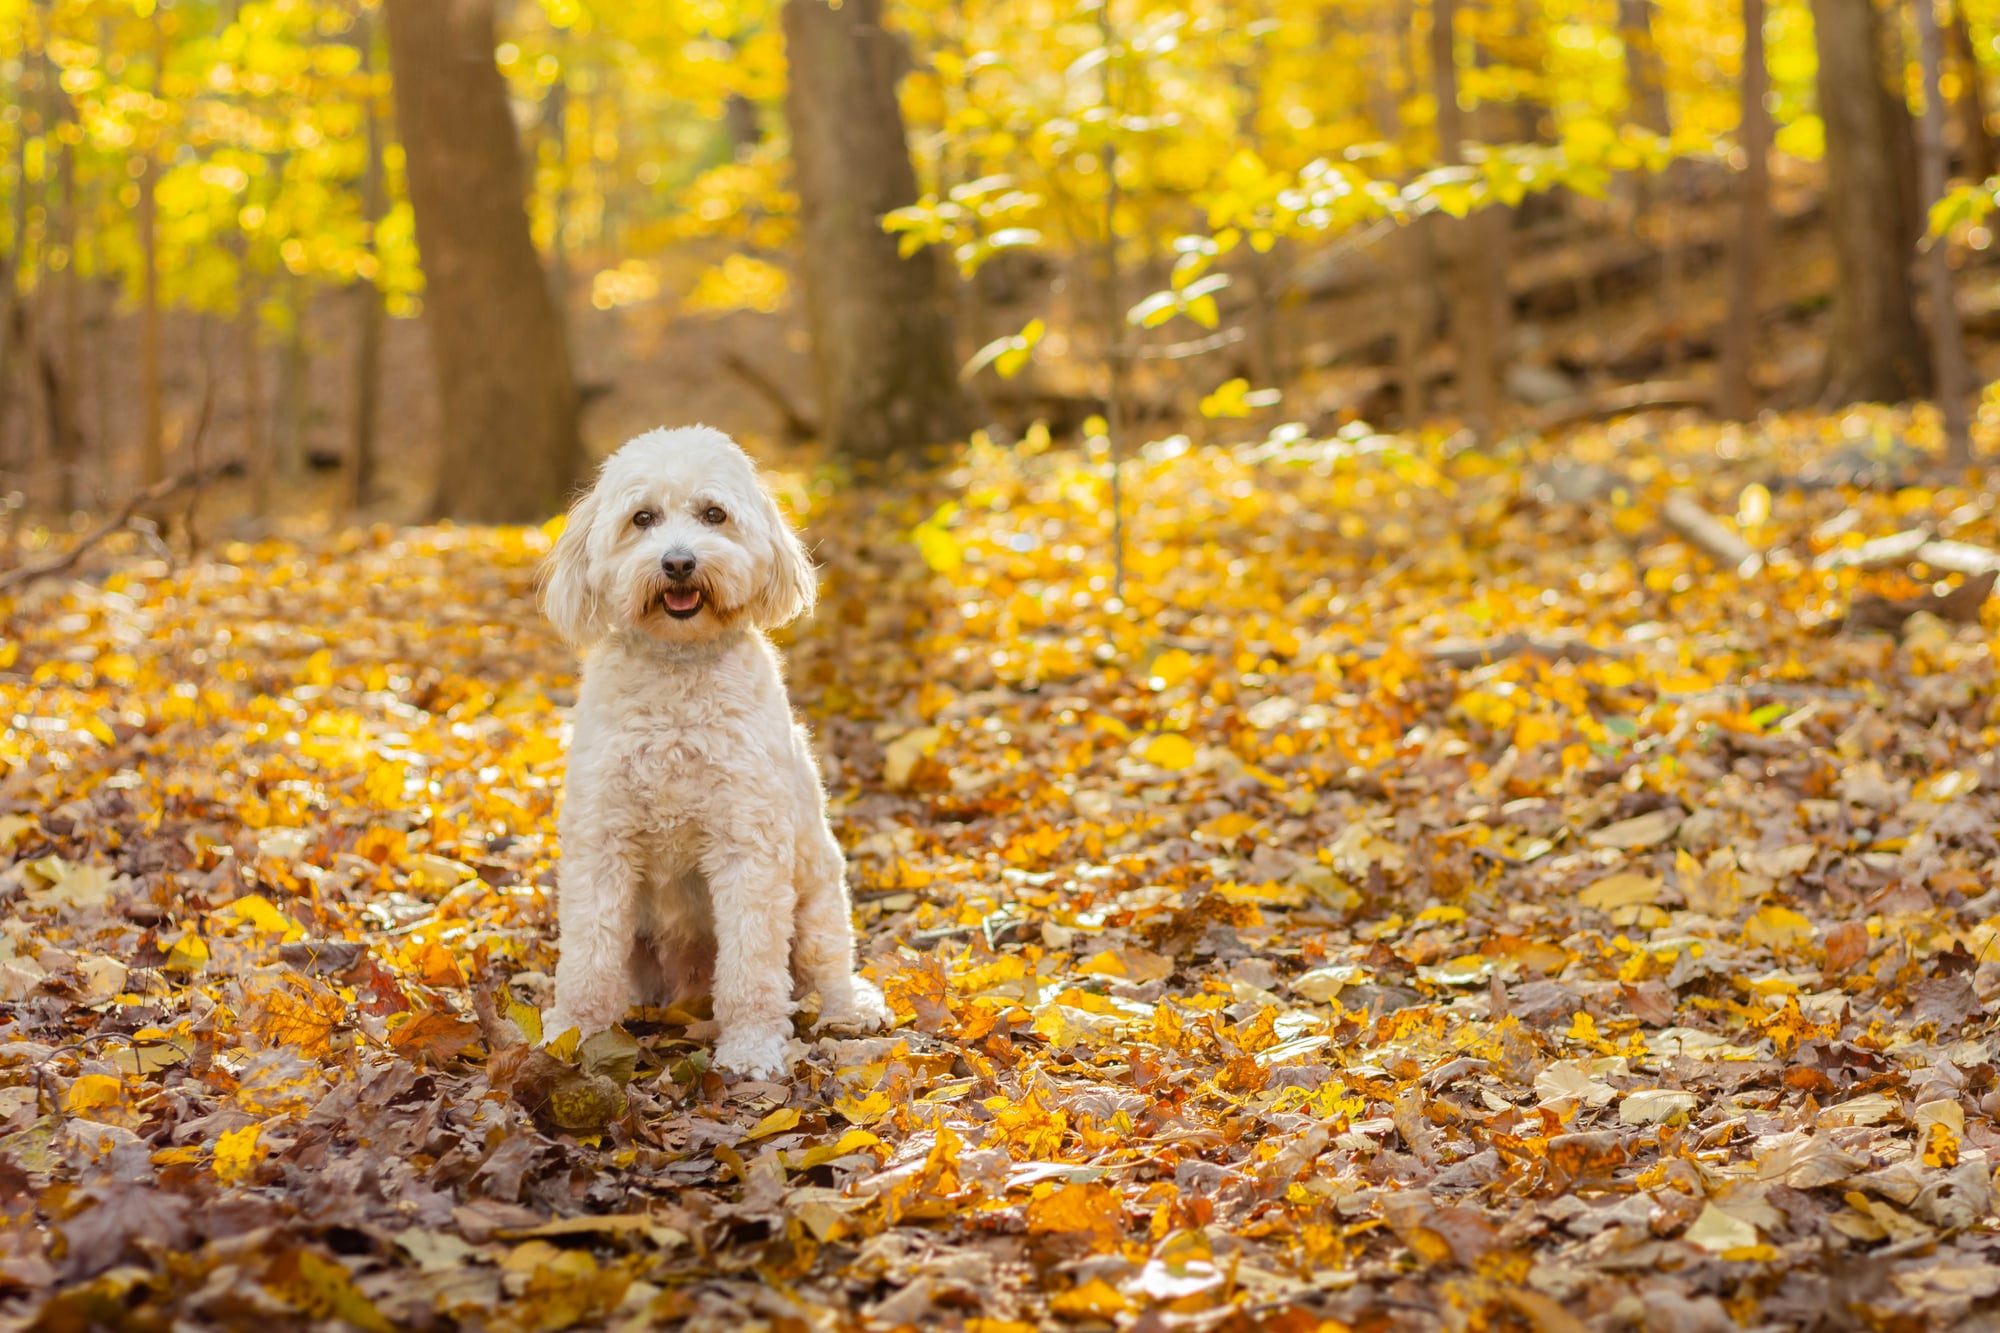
(367, 295)
(1409, 245)
(1875, 352)
(1975, 140)
(1472, 244)
(1737, 396)
(883, 356)
(1646, 93)
(153, 436)
(511, 445)
(293, 408)
(69, 316)
(250, 351)
(1947, 337)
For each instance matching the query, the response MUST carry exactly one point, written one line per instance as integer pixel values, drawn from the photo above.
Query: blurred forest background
(425, 258)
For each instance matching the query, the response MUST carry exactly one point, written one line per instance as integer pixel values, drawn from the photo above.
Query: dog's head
(677, 539)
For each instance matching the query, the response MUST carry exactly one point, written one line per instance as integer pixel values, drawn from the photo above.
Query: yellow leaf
(1171, 668)
(777, 1122)
(1753, 507)
(935, 543)
(1104, 964)
(1227, 400)
(1620, 890)
(263, 918)
(1777, 928)
(1719, 1232)
(900, 756)
(1171, 751)
(1089, 1209)
(237, 1154)
(864, 1110)
(853, 1141)
(92, 1092)
(189, 954)
(1095, 1299)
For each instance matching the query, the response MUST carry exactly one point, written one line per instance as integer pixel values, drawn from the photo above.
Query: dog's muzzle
(682, 597)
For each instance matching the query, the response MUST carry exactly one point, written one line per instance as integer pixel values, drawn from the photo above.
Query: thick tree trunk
(1947, 337)
(1975, 140)
(511, 448)
(1875, 352)
(1737, 395)
(883, 356)
(1472, 243)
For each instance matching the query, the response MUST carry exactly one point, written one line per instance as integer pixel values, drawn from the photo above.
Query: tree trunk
(1874, 353)
(511, 448)
(10, 292)
(739, 118)
(70, 320)
(1645, 90)
(1947, 338)
(1975, 140)
(153, 434)
(1472, 248)
(290, 413)
(555, 129)
(1409, 247)
(883, 355)
(1737, 395)
(250, 351)
(367, 296)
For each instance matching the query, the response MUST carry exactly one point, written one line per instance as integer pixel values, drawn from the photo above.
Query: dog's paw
(754, 1054)
(866, 1010)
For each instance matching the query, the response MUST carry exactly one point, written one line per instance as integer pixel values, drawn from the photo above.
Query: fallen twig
(1618, 401)
(1958, 558)
(797, 425)
(1881, 553)
(1685, 517)
(152, 495)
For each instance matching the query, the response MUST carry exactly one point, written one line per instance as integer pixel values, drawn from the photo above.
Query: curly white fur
(696, 851)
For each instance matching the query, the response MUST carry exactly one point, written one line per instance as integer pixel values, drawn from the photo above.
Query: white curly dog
(695, 847)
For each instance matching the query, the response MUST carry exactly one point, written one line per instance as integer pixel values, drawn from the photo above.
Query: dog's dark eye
(645, 518)
(714, 515)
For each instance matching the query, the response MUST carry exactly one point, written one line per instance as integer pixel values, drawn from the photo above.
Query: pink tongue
(683, 599)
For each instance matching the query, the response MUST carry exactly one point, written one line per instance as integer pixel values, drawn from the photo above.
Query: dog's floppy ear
(790, 585)
(569, 592)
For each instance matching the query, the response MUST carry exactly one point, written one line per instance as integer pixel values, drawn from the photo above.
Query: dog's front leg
(595, 909)
(750, 887)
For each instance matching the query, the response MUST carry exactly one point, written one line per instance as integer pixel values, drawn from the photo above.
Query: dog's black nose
(678, 565)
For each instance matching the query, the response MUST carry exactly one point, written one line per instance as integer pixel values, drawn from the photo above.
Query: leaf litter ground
(1440, 898)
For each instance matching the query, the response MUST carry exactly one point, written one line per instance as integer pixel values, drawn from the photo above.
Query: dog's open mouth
(682, 602)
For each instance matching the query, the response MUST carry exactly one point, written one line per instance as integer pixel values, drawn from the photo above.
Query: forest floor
(1438, 896)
